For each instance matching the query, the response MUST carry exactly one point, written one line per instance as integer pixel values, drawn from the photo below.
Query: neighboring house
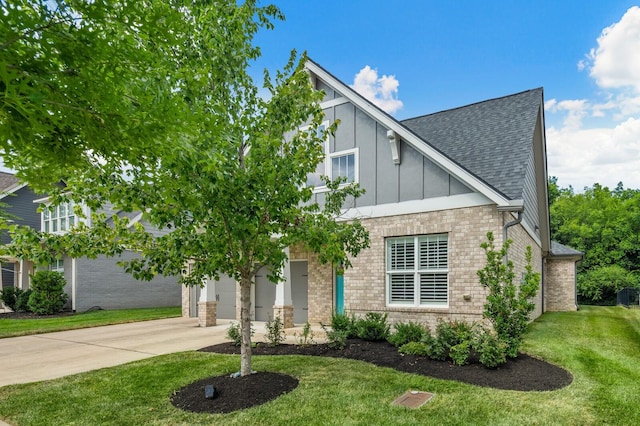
(90, 282)
(435, 185)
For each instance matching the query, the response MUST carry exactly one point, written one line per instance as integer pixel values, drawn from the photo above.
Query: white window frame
(415, 271)
(57, 265)
(338, 154)
(51, 216)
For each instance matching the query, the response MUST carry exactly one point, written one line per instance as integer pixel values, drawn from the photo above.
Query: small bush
(492, 351)
(234, 333)
(460, 353)
(306, 336)
(9, 296)
(448, 335)
(344, 323)
(406, 332)
(275, 332)
(414, 348)
(373, 326)
(22, 301)
(336, 339)
(48, 296)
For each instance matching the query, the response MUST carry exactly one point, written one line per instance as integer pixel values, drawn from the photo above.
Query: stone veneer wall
(560, 293)
(185, 301)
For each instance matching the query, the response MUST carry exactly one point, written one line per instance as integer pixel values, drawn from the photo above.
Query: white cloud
(381, 91)
(582, 152)
(604, 155)
(615, 63)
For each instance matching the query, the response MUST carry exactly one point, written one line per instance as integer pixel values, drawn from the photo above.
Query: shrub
(344, 323)
(306, 336)
(406, 332)
(460, 353)
(9, 296)
(508, 306)
(22, 301)
(414, 348)
(48, 296)
(275, 332)
(336, 339)
(373, 326)
(448, 335)
(492, 351)
(234, 333)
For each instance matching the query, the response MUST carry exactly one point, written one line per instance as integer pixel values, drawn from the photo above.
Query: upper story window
(418, 270)
(59, 218)
(335, 165)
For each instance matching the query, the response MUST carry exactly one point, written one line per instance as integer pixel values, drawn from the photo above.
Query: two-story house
(435, 185)
(91, 283)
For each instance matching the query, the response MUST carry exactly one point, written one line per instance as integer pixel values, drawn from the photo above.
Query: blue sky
(429, 56)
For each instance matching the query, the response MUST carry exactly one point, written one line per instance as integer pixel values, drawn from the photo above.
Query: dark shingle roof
(492, 139)
(7, 180)
(558, 249)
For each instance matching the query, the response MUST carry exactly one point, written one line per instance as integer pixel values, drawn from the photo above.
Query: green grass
(24, 327)
(600, 347)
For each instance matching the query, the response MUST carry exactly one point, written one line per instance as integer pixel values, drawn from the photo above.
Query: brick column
(207, 313)
(285, 312)
(207, 305)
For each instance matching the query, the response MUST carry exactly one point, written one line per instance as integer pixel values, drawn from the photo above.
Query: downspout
(505, 229)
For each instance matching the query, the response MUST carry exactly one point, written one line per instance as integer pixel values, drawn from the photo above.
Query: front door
(340, 294)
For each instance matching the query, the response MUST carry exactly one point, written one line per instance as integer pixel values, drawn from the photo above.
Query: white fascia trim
(417, 206)
(41, 200)
(334, 102)
(13, 188)
(408, 136)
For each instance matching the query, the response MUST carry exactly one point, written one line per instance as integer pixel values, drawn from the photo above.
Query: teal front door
(339, 294)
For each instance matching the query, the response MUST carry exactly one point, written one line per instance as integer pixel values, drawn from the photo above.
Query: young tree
(508, 306)
(232, 195)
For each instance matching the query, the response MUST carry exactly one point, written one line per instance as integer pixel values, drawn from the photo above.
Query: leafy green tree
(508, 305)
(605, 225)
(601, 285)
(83, 81)
(231, 195)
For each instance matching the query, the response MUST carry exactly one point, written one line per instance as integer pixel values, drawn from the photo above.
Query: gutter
(506, 227)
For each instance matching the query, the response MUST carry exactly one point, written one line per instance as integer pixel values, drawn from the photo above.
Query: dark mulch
(233, 393)
(524, 373)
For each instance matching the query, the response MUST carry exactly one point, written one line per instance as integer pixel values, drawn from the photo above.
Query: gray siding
(415, 178)
(101, 282)
(530, 194)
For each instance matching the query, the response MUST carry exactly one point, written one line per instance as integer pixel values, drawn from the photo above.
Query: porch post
(283, 306)
(207, 305)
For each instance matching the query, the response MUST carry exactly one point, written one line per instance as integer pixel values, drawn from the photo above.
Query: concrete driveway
(48, 356)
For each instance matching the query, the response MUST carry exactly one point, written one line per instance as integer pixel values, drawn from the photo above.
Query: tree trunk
(245, 324)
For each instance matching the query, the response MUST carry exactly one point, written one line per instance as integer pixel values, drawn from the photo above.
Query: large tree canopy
(82, 81)
(231, 193)
(605, 225)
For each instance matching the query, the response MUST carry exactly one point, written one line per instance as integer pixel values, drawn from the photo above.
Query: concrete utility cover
(412, 399)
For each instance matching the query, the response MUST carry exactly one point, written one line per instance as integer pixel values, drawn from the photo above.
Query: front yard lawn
(599, 346)
(13, 327)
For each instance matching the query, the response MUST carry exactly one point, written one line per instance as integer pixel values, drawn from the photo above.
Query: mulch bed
(524, 373)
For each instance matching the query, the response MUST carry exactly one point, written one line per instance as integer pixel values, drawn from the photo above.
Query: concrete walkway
(52, 355)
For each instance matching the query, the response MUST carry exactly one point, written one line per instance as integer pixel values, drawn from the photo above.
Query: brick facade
(207, 313)
(560, 292)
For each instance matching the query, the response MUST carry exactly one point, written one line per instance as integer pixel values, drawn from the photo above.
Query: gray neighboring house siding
(97, 282)
(100, 282)
(20, 205)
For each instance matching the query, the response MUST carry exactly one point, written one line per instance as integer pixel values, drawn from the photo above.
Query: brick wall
(560, 292)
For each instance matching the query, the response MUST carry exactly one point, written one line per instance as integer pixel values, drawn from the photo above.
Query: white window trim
(416, 271)
(356, 168)
(76, 220)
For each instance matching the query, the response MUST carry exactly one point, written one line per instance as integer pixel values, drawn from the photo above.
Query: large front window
(58, 218)
(418, 270)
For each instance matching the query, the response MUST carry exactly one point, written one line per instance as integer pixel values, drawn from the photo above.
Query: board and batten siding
(415, 178)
